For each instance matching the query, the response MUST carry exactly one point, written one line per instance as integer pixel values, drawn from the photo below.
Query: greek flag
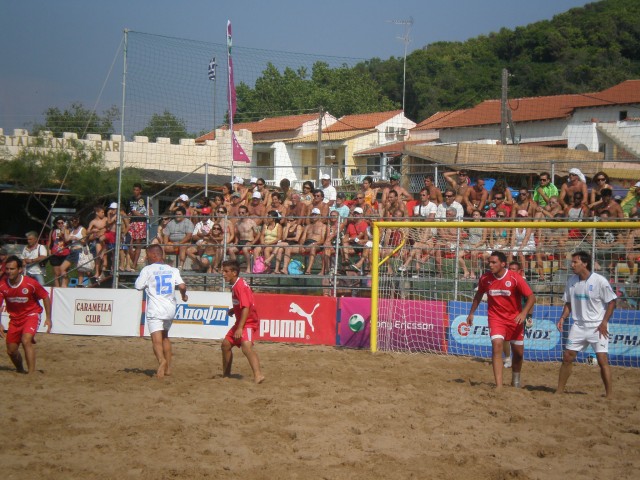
(212, 69)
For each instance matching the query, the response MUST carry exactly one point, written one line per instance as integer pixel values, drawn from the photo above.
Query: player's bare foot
(167, 371)
(259, 379)
(162, 368)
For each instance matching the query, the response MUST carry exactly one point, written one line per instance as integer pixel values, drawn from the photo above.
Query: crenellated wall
(140, 153)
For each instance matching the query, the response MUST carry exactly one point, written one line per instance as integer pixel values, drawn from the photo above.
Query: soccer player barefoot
(160, 282)
(505, 290)
(590, 300)
(23, 295)
(242, 333)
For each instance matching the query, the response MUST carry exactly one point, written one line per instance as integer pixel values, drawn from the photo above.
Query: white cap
(253, 180)
(113, 206)
(637, 184)
(184, 198)
(256, 195)
(238, 180)
(358, 210)
(576, 171)
(326, 176)
(315, 211)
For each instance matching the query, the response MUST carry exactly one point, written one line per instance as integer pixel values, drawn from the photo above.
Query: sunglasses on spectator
(501, 215)
(498, 198)
(222, 211)
(449, 196)
(259, 184)
(601, 179)
(317, 195)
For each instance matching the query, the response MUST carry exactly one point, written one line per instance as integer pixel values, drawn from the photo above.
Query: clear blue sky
(56, 52)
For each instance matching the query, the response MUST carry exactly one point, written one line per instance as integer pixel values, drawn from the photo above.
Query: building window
(623, 115)
(264, 164)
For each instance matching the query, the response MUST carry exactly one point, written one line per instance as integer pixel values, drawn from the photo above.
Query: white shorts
(155, 325)
(583, 335)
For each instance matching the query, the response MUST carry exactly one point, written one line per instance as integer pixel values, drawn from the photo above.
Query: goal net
(425, 275)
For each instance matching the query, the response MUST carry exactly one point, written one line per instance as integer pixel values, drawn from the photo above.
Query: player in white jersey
(160, 281)
(590, 300)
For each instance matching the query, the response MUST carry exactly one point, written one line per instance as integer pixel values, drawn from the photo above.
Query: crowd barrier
(322, 320)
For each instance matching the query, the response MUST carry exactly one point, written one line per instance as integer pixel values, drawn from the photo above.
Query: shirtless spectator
(335, 232)
(551, 210)
(287, 191)
(401, 192)
(475, 197)
(288, 245)
(459, 182)
(577, 183)
(312, 238)
(181, 201)
(449, 201)
(177, 236)
(607, 204)
(500, 188)
(199, 235)
(256, 208)
(544, 190)
(435, 194)
(227, 224)
(393, 203)
(247, 234)
(239, 187)
(234, 210)
(96, 230)
(296, 209)
(524, 202)
(319, 203)
(600, 181)
(277, 205)
(361, 203)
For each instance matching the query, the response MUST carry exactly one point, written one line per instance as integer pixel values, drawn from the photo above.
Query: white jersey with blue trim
(588, 298)
(160, 280)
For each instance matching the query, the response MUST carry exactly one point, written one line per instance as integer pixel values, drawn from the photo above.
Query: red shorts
(29, 326)
(138, 230)
(508, 330)
(247, 336)
(110, 237)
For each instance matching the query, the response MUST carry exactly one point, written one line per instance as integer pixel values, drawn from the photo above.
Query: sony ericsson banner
(204, 315)
(355, 322)
(297, 318)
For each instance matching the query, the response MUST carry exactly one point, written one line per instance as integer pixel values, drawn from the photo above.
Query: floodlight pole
(406, 40)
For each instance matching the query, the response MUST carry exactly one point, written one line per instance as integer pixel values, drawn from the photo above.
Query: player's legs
(166, 349)
(506, 349)
(605, 372)
(158, 350)
(14, 355)
(496, 359)
(565, 369)
(517, 353)
(227, 357)
(254, 361)
(29, 351)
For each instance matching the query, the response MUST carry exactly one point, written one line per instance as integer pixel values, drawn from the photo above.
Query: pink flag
(238, 152)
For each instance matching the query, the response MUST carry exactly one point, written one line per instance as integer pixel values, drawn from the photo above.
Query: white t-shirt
(160, 280)
(330, 194)
(34, 268)
(441, 212)
(588, 298)
(425, 211)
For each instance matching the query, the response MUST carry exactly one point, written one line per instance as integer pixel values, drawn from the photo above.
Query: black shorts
(56, 260)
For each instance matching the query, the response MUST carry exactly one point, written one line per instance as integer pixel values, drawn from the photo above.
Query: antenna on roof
(406, 40)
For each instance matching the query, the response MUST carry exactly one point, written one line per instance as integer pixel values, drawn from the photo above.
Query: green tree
(166, 125)
(78, 120)
(78, 171)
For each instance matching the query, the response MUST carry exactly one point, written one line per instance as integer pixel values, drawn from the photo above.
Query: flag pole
(229, 93)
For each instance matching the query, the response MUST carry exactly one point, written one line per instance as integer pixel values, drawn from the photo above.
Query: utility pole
(406, 40)
(504, 116)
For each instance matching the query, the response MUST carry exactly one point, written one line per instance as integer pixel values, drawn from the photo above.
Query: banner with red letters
(297, 318)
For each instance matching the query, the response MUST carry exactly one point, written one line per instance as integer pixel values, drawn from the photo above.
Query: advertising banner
(4, 316)
(355, 322)
(204, 315)
(96, 311)
(297, 318)
(414, 325)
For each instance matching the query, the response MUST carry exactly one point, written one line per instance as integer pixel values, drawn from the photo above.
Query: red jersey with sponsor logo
(22, 300)
(242, 296)
(504, 294)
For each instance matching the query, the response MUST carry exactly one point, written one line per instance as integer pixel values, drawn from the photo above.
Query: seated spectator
(600, 181)
(500, 188)
(449, 201)
(257, 209)
(577, 183)
(575, 213)
(393, 203)
(201, 230)
(213, 252)
(228, 226)
(287, 191)
(32, 256)
(162, 223)
(426, 209)
(369, 193)
(392, 238)
(550, 210)
(435, 194)
(475, 197)
(313, 238)
(607, 204)
(631, 202)
(361, 203)
(340, 206)
(498, 238)
(551, 244)
(421, 251)
(524, 202)
(227, 191)
(328, 190)
(247, 233)
(76, 238)
(288, 245)
(499, 202)
(474, 244)
(319, 203)
(544, 190)
(177, 236)
(270, 235)
(335, 233)
(446, 241)
(297, 209)
(306, 196)
(239, 187)
(355, 238)
(401, 192)
(181, 201)
(277, 205)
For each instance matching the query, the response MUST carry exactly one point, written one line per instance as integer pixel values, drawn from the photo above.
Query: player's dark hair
(137, 185)
(584, 258)
(14, 258)
(231, 264)
(155, 248)
(501, 256)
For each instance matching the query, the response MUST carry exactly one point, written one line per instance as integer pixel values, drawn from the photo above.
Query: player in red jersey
(22, 296)
(242, 333)
(507, 315)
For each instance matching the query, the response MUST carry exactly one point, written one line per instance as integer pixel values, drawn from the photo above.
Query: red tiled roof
(267, 125)
(363, 121)
(534, 108)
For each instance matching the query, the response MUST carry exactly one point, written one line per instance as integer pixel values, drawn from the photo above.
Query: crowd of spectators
(324, 230)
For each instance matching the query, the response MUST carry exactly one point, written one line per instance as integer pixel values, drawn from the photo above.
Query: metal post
(319, 147)
(116, 254)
